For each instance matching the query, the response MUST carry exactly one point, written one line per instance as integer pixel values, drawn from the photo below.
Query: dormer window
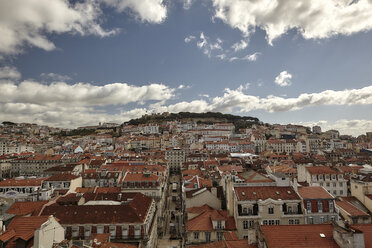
(333, 177)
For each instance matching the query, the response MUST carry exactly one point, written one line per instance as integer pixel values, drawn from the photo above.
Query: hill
(206, 118)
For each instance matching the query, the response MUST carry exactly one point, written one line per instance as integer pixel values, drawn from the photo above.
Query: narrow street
(173, 215)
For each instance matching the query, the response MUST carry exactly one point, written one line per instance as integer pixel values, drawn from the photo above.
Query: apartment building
(332, 180)
(267, 205)
(319, 205)
(176, 157)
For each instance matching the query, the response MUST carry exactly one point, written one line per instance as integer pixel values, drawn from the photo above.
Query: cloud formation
(152, 11)
(350, 127)
(82, 94)
(283, 79)
(249, 57)
(54, 77)
(239, 45)
(315, 19)
(26, 23)
(9, 72)
(71, 105)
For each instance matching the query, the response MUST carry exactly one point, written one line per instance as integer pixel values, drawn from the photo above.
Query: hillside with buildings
(184, 180)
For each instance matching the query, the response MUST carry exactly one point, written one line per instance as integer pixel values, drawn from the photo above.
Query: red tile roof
(199, 210)
(265, 192)
(133, 212)
(316, 170)
(22, 182)
(367, 230)
(203, 222)
(24, 208)
(24, 227)
(61, 177)
(242, 243)
(305, 236)
(350, 209)
(314, 192)
(140, 177)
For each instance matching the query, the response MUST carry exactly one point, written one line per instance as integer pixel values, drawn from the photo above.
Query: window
(277, 222)
(271, 222)
(321, 184)
(341, 192)
(320, 206)
(137, 231)
(335, 192)
(75, 231)
(87, 231)
(245, 210)
(308, 206)
(245, 224)
(271, 210)
(322, 219)
(219, 224)
(207, 237)
(291, 222)
(251, 223)
(112, 231)
(331, 206)
(334, 184)
(245, 237)
(297, 221)
(219, 236)
(341, 184)
(125, 232)
(196, 235)
(99, 229)
(264, 222)
(333, 177)
(311, 221)
(327, 184)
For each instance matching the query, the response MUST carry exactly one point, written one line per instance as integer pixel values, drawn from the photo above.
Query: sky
(75, 63)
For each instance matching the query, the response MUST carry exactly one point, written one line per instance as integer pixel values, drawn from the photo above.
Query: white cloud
(239, 45)
(55, 77)
(26, 23)
(283, 79)
(314, 19)
(349, 127)
(206, 46)
(182, 86)
(82, 94)
(238, 100)
(250, 57)
(152, 11)
(189, 38)
(187, 4)
(221, 56)
(8, 72)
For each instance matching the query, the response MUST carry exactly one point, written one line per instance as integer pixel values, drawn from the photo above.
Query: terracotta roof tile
(314, 192)
(21, 182)
(350, 209)
(306, 236)
(266, 192)
(316, 170)
(24, 208)
(242, 243)
(367, 230)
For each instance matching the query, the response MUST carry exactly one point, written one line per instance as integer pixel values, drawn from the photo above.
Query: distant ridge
(207, 118)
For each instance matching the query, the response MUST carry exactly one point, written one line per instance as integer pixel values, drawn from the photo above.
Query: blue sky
(78, 63)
